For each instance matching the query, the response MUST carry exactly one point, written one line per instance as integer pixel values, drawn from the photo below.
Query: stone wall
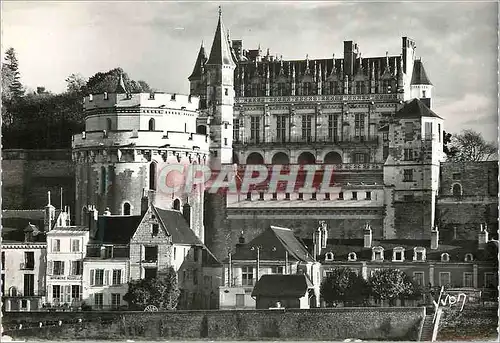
(320, 324)
(474, 323)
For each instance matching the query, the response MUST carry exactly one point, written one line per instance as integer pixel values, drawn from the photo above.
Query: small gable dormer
(445, 257)
(352, 257)
(398, 254)
(469, 257)
(329, 256)
(419, 254)
(377, 253)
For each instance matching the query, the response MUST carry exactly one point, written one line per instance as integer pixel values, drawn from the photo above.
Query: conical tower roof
(200, 62)
(120, 88)
(419, 77)
(221, 51)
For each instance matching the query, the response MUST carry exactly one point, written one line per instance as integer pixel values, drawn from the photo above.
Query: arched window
(186, 212)
(332, 157)
(469, 258)
(306, 158)
(445, 257)
(13, 292)
(177, 205)
(457, 190)
(255, 158)
(377, 254)
(280, 158)
(152, 176)
(108, 124)
(151, 126)
(352, 256)
(126, 209)
(329, 256)
(103, 180)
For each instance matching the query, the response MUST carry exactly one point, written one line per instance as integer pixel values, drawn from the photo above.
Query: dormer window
(398, 254)
(445, 257)
(468, 258)
(155, 228)
(352, 256)
(419, 254)
(377, 254)
(329, 256)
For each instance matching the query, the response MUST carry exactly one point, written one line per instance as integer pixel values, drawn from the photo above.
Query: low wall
(314, 324)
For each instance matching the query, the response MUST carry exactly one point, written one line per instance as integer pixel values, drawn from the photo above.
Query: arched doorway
(332, 157)
(280, 158)
(457, 190)
(306, 158)
(255, 158)
(177, 205)
(126, 209)
(151, 125)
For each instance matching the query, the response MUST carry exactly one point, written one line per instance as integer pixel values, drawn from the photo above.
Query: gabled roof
(419, 77)
(176, 226)
(220, 54)
(278, 285)
(117, 229)
(274, 243)
(415, 109)
(200, 61)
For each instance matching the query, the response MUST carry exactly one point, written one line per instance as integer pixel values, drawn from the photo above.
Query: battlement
(149, 100)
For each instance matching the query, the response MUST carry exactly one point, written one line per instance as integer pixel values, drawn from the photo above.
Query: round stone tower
(128, 143)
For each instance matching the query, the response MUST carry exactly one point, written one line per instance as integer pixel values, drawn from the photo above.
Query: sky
(158, 42)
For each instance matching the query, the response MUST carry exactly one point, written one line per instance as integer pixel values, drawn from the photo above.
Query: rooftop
(282, 285)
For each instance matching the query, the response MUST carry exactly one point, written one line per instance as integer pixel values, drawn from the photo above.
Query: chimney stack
(49, 215)
(483, 237)
(93, 216)
(434, 238)
(317, 242)
(367, 235)
(324, 234)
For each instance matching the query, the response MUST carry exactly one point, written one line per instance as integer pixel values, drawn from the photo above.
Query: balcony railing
(339, 140)
(27, 266)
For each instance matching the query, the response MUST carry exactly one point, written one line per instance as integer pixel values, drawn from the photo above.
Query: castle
(369, 118)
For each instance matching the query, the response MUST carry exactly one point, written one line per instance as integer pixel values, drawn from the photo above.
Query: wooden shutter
(50, 267)
(62, 267)
(106, 277)
(92, 280)
(67, 293)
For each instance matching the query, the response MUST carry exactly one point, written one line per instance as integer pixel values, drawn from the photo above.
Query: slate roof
(456, 249)
(274, 243)
(200, 61)
(220, 53)
(16, 235)
(415, 109)
(15, 223)
(177, 227)
(278, 285)
(117, 229)
(419, 76)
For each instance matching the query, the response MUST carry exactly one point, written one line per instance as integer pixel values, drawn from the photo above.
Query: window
(428, 130)
(277, 270)
(29, 285)
(423, 94)
(468, 258)
(398, 255)
(98, 277)
(301, 196)
(150, 273)
(341, 196)
(240, 300)
(385, 152)
(354, 195)
(468, 279)
(457, 190)
(98, 300)
(3, 284)
(155, 228)
(247, 276)
(329, 256)
(115, 300)
(378, 254)
(151, 253)
(280, 91)
(359, 158)
(56, 245)
(56, 292)
(76, 292)
(281, 128)
(407, 175)
(261, 196)
(333, 120)
(359, 125)
(490, 280)
(76, 267)
(439, 133)
(419, 254)
(126, 209)
(236, 130)
(3, 261)
(103, 180)
(444, 279)
(75, 245)
(151, 124)
(108, 124)
(306, 127)
(117, 277)
(287, 196)
(409, 132)
(58, 268)
(359, 87)
(249, 196)
(313, 196)
(456, 176)
(327, 196)
(225, 141)
(368, 196)
(408, 197)
(152, 176)
(226, 91)
(445, 257)
(408, 154)
(29, 260)
(418, 278)
(255, 129)
(275, 196)
(352, 256)
(385, 136)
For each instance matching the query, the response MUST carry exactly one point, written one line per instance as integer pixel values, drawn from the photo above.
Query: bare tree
(472, 147)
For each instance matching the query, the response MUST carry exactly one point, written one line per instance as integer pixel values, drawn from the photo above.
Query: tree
(391, 284)
(162, 292)
(76, 83)
(449, 150)
(108, 82)
(344, 285)
(471, 147)
(12, 64)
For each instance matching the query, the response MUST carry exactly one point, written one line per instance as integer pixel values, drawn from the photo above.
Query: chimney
(434, 238)
(241, 241)
(349, 58)
(107, 212)
(483, 237)
(49, 215)
(93, 215)
(324, 234)
(367, 236)
(317, 242)
(68, 217)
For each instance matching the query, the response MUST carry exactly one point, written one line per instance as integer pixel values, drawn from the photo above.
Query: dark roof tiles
(419, 76)
(415, 109)
(177, 226)
(282, 286)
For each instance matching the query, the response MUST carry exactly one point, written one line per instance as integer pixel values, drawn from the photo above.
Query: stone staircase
(427, 329)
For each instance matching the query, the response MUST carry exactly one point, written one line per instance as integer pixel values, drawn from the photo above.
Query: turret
(196, 79)
(421, 87)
